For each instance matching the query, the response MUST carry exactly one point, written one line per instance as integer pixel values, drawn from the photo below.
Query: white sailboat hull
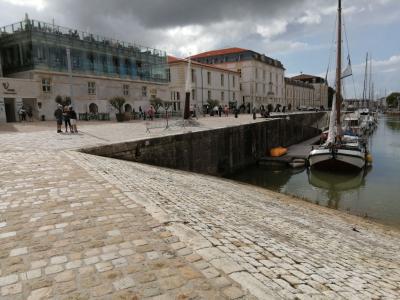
(340, 158)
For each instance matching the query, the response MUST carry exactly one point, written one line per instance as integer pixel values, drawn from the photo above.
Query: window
(125, 89)
(240, 87)
(46, 85)
(209, 95)
(222, 96)
(234, 81)
(240, 72)
(168, 71)
(178, 96)
(92, 88)
(256, 73)
(264, 74)
(234, 96)
(144, 91)
(222, 79)
(209, 78)
(193, 94)
(193, 75)
(264, 88)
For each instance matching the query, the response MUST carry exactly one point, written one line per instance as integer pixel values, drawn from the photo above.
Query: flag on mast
(348, 71)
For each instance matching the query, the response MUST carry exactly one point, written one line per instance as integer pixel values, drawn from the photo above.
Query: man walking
(58, 114)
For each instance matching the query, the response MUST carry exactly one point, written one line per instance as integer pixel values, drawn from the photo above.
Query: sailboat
(337, 154)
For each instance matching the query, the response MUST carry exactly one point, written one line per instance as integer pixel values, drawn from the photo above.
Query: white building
(321, 89)
(261, 77)
(299, 94)
(207, 82)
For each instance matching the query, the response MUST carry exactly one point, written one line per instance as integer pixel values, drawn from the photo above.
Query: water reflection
(334, 184)
(393, 123)
(373, 193)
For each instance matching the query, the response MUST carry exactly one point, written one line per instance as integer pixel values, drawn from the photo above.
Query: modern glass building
(34, 45)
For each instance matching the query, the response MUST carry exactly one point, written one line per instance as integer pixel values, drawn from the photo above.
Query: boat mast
(339, 70)
(365, 82)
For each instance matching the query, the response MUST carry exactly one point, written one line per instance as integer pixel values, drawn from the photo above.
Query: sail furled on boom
(332, 125)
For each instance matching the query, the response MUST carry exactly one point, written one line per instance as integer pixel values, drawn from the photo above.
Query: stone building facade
(208, 82)
(52, 61)
(321, 89)
(261, 77)
(299, 94)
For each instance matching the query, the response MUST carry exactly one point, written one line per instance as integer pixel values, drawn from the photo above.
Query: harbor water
(373, 193)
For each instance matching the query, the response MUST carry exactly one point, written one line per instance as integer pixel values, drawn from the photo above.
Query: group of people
(218, 111)
(149, 114)
(25, 112)
(67, 115)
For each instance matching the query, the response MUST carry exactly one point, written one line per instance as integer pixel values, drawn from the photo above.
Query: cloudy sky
(297, 32)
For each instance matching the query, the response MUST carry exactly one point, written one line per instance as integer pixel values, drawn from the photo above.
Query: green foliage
(393, 100)
(64, 101)
(156, 102)
(212, 103)
(118, 103)
(59, 99)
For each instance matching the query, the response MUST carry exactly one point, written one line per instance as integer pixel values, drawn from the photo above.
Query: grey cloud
(162, 13)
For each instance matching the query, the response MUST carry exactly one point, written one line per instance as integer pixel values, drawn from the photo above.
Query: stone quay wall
(219, 151)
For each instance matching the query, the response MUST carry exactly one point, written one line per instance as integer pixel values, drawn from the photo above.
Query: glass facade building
(33, 45)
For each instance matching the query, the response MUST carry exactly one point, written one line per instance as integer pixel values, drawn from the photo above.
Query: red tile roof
(220, 52)
(173, 59)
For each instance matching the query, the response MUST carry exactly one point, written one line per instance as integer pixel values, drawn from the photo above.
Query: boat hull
(339, 159)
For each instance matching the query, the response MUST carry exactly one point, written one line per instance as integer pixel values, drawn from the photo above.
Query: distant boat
(336, 154)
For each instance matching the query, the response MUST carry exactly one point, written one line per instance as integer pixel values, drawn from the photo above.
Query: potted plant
(118, 103)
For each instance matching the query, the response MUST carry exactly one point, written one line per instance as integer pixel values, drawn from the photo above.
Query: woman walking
(73, 118)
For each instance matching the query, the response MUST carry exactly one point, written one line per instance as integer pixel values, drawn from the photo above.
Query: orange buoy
(278, 151)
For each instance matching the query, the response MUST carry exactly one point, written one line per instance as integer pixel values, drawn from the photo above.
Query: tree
(212, 103)
(156, 102)
(64, 101)
(393, 100)
(118, 103)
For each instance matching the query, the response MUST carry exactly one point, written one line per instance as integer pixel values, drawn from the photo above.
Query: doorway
(9, 105)
(31, 104)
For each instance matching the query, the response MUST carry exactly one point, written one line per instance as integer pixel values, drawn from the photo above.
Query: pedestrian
(73, 119)
(22, 114)
(226, 111)
(67, 119)
(29, 113)
(58, 114)
(220, 111)
(141, 113)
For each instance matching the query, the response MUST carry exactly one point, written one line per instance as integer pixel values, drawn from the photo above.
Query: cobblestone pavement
(67, 234)
(78, 226)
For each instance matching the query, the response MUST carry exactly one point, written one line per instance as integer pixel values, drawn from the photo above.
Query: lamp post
(188, 86)
(71, 92)
(1, 67)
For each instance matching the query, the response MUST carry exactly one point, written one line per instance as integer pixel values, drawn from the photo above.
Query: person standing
(29, 112)
(73, 118)
(141, 113)
(58, 114)
(67, 120)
